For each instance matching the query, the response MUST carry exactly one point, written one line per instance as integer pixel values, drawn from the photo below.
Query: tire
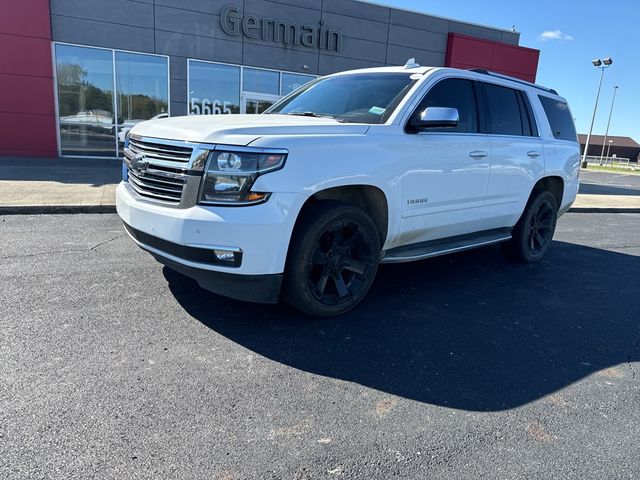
(532, 235)
(333, 259)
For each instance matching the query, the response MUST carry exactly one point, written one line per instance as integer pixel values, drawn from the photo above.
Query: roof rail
(513, 79)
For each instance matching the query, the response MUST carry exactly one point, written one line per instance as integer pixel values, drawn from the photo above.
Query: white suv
(354, 169)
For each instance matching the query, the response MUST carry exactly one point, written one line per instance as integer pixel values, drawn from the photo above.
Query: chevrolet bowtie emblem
(139, 163)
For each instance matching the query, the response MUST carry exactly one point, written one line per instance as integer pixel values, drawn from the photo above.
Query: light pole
(604, 142)
(609, 149)
(602, 65)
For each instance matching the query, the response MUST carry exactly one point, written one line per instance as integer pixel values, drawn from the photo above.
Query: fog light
(225, 255)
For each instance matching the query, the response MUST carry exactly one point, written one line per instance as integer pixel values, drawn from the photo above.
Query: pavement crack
(105, 242)
(62, 252)
(29, 255)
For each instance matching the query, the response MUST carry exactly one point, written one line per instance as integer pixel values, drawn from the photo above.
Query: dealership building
(76, 75)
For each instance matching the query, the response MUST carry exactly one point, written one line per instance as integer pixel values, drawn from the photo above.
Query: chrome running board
(435, 248)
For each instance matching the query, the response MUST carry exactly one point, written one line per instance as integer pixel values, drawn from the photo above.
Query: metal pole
(609, 149)
(593, 119)
(604, 142)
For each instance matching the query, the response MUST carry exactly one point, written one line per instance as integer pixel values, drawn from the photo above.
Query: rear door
(517, 155)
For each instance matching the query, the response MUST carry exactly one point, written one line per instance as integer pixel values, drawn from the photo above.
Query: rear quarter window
(560, 119)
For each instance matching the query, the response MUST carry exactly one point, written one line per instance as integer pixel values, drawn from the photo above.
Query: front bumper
(260, 232)
(248, 288)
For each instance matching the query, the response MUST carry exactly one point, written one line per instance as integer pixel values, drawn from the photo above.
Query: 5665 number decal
(205, 106)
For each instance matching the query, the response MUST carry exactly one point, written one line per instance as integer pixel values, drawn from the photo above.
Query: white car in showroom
(395, 164)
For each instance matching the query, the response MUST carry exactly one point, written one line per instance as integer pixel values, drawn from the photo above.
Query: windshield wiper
(314, 115)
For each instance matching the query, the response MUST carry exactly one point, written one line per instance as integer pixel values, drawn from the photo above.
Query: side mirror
(436, 117)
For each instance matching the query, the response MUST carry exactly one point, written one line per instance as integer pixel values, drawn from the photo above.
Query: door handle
(478, 154)
(533, 154)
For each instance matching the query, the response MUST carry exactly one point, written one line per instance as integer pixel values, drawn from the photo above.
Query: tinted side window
(505, 117)
(560, 119)
(453, 93)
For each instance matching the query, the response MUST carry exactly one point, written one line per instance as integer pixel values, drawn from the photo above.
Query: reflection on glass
(85, 100)
(213, 88)
(142, 92)
(260, 81)
(293, 81)
(255, 106)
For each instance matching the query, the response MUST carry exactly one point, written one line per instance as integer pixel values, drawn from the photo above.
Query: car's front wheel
(333, 259)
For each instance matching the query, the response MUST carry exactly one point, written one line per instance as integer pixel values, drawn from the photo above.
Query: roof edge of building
(625, 140)
(426, 14)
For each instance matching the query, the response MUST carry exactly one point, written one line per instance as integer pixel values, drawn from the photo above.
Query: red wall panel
(470, 51)
(28, 135)
(464, 51)
(25, 134)
(30, 95)
(25, 55)
(26, 18)
(27, 115)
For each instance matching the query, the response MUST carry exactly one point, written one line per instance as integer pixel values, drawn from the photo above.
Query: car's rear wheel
(332, 261)
(533, 233)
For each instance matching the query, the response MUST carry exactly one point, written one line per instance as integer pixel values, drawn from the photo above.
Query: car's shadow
(470, 331)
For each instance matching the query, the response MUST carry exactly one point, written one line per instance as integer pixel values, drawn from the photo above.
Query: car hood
(242, 129)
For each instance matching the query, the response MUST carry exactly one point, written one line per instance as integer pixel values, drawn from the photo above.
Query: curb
(56, 209)
(604, 210)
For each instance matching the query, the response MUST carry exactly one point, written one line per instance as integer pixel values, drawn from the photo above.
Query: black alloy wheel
(532, 235)
(333, 259)
(339, 266)
(540, 228)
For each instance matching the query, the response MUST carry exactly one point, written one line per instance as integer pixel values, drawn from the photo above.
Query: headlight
(230, 174)
(126, 140)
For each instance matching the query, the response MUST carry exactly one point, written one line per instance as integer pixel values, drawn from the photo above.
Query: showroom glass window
(92, 119)
(142, 90)
(85, 101)
(213, 88)
(261, 81)
(260, 90)
(293, 81)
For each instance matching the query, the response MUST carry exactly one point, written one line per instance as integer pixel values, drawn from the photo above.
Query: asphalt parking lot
(604, 183)
(465, 366)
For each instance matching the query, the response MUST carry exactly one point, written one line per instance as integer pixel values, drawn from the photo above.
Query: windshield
(357, 98)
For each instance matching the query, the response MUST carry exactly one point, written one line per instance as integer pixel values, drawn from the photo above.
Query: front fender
(320, 162)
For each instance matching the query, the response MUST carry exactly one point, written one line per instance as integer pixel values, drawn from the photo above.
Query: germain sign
(279, 31)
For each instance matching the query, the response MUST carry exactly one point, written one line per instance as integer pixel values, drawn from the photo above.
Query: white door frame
(246, 96)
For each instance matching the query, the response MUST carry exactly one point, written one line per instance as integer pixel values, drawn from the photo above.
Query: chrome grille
(157, 184)
(160, 151)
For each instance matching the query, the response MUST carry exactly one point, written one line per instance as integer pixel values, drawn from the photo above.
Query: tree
(70, 74)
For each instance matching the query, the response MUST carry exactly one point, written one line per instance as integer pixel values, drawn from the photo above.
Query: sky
(569, 35)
